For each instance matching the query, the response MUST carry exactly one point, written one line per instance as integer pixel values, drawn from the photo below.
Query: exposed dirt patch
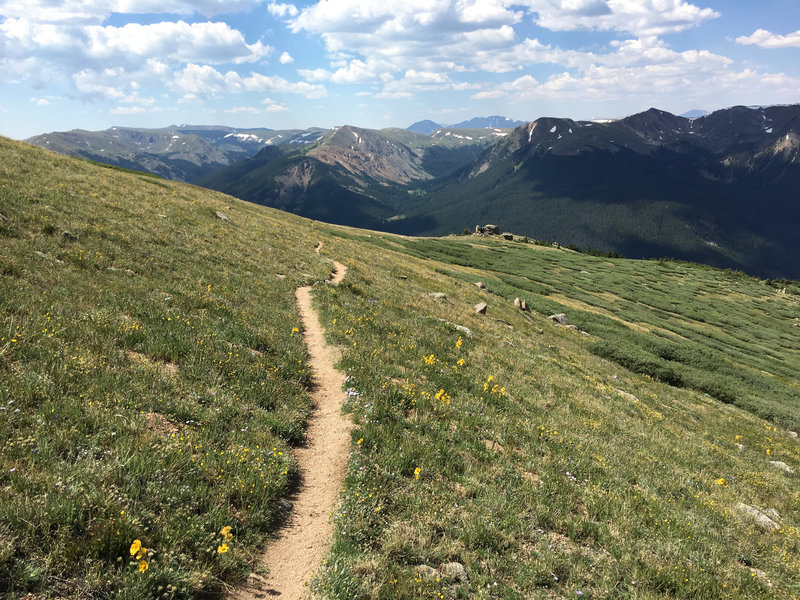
(167, 368)
(493, 446)
(160, 425)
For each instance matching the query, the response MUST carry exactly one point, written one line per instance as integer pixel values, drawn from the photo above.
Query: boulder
(772, 514)
(480, 285)
(455, 570)
(560, 318)
(492, 229)
(782, 466)
(71, 237)
(438, 295)
(479, 230)
(426, 573)
(222, 217)
(517, 303)
(480, 308)
(460, 328)
(524, 306)
(757, 517)
(508, 236)
(464, 330)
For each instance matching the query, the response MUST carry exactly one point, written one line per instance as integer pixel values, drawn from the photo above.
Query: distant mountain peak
(695, 113)
(495, 121)
(425, 127)
(428, 127)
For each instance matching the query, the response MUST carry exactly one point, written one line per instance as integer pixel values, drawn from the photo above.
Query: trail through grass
(298, 552)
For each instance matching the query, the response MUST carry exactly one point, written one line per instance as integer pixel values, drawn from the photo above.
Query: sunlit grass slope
(152, 388)
(150, 380)
(544, 469)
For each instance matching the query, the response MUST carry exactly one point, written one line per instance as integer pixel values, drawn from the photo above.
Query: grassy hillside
(153, 387)
(544, 469)
(150, 380)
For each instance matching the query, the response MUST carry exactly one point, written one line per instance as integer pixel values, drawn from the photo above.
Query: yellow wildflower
(135, 546)
(459, 342)
(143, 566)
(222, 549)
(358, 443)
(443, 397)
(417, 471)
(721, 481)
(226, 532)
(295, 330)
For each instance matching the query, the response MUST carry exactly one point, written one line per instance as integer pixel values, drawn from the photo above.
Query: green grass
(153, 389)
(150, 383)
(719, 332)
(574, 477)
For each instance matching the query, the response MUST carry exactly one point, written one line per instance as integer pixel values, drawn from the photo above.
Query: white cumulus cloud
(178, 42)
(205, 80)
(640, 17)
(423, 34)
(765, 39)
(286, 59)
(706, 80)
(282, 10)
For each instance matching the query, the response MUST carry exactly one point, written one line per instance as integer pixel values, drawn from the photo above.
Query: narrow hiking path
(299, 550)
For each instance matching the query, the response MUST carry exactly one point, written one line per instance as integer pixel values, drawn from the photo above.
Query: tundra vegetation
(153, 382)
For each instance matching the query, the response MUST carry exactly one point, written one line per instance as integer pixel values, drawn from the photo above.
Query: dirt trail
(299, 550)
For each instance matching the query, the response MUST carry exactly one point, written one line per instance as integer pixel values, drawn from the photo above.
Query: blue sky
(93, 64)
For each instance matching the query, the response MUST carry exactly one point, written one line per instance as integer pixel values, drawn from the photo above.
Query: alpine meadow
(155, 390)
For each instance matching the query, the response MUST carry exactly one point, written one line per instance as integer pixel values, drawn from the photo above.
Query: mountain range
(182, 153)
(718, 188)
(428, 127)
